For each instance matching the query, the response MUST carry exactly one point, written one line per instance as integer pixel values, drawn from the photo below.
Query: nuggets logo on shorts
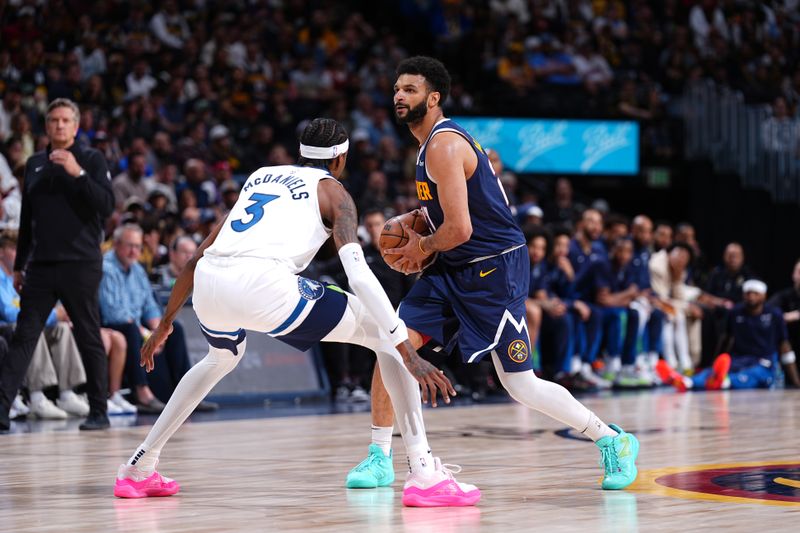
(310, 289)
(518, 351)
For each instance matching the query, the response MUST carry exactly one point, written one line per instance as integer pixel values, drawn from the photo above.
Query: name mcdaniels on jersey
(292, 182)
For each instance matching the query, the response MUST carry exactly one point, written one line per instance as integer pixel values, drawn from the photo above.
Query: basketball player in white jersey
(245, 277)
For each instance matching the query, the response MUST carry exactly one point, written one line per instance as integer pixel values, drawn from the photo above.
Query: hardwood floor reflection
(287, 474)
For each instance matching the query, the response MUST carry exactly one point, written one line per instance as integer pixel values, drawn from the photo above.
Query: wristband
(421, 249)
(399, 334)
(369, 291)
(788, 358)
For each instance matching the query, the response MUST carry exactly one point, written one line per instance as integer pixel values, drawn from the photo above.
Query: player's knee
(519, 384)
(223, 358)
(533, 310)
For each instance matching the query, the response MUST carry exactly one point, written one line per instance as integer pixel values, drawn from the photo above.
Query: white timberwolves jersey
(276, 217)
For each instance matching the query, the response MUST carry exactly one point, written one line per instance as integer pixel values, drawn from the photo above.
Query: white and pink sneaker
(440, 489)
(133, 483)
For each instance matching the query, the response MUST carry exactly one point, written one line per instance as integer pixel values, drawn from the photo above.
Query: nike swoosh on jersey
(391, 331)
(484, 274)
(37, 169)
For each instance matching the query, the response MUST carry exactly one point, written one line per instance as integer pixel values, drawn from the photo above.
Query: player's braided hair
(321, 132)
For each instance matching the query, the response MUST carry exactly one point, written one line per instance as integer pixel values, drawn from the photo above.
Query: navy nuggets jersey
(494, 229)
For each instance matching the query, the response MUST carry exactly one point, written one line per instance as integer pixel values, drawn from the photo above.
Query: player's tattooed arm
(338, 211)
(346, 221)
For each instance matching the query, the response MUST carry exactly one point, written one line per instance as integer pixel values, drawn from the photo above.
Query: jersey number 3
(255, 210)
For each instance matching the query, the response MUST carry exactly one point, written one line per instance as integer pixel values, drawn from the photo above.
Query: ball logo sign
(566, 146)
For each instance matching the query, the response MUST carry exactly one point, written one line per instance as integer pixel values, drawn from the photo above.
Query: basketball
(394, 236)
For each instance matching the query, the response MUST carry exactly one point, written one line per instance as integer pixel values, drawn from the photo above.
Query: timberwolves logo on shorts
(310, 289)
(518, 351)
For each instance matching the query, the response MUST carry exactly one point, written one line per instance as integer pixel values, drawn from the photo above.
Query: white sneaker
(651, 361)
(359, 395)
(71, 403)
(46, 409)
(627, 379)
(112, 408)
(645, 376)
(18, 408)
(124, 406)
(342, 394)
(633, 377)
(649, 378)
(588, 374)
(646, 366)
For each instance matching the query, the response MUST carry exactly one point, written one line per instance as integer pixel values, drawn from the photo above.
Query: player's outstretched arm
(177, 297)
(339, 210)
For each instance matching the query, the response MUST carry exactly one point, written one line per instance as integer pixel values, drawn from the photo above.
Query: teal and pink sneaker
(618, 459)
(133, 483)
(440, 489)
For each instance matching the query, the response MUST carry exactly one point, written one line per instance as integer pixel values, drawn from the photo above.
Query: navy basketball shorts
(487, 298)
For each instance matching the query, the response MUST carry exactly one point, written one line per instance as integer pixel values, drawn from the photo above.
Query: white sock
(358, 327)
(382, 436)
(596, 429)
(144, 459)
(420, 461)
(191, 389)
(37, 396)
(404, 392)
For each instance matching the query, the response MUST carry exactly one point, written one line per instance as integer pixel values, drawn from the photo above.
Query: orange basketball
(393, 235)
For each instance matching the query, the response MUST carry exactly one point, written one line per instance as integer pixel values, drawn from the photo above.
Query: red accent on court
(702, 481)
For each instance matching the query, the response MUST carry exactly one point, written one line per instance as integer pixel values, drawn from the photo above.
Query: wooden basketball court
(708, 460)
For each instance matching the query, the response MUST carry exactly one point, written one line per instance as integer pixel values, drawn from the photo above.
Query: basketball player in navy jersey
(480, 277)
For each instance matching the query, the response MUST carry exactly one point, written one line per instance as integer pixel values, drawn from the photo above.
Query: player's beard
(751, 307)
(414, 114)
